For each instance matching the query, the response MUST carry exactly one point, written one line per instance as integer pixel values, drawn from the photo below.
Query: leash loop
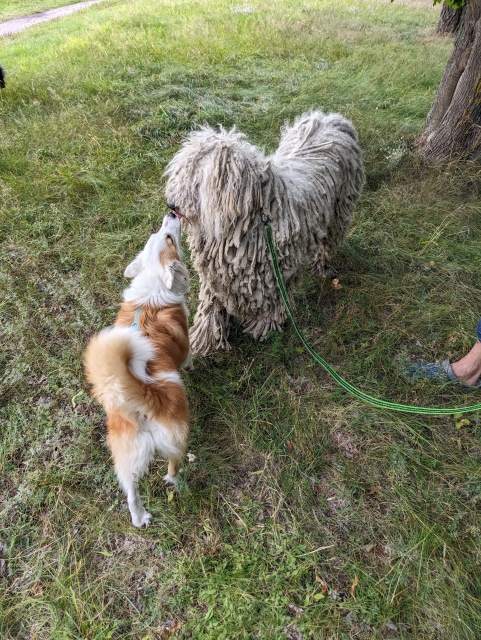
(347, 386)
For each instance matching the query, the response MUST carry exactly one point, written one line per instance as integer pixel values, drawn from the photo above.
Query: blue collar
(135, 325)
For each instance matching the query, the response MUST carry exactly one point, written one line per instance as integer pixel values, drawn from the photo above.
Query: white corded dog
(222, 185)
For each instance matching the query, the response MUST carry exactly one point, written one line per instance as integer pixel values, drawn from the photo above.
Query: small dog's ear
(175, 277)
(135, 267)
(167, 277)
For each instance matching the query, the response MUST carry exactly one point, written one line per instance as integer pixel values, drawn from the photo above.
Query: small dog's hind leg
(210, 330)
(132, 454)
(172, 474)
(137, 510)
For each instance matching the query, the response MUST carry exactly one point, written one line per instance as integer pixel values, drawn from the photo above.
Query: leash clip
(265, 219)
(135, 325)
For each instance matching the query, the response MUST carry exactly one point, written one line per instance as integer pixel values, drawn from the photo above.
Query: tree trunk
(448, 20)
(453, 126)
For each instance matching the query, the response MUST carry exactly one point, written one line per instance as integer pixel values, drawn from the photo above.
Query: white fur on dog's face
(159, 271)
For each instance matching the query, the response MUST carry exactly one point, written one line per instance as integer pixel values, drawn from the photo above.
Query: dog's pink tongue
(179, 215)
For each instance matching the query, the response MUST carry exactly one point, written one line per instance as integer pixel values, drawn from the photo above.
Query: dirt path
(19, 24)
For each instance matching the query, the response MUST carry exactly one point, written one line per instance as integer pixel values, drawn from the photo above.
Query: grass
(16, 8)
(286, 463)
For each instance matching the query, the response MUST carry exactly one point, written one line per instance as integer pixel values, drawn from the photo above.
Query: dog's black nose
(170, 204)
(171, 215)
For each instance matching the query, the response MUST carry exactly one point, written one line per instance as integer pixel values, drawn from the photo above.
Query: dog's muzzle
(174, 212)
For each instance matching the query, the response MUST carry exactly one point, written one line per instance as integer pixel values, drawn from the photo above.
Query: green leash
(381, 404)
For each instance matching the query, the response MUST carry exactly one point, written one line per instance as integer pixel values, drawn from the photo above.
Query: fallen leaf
(335, 284)
(462, 423)
(290, 445)
(325, 588)
(296, 612)
(375, 490)
(241, 523)
(353, 586)
(169, 627)
(170, 496)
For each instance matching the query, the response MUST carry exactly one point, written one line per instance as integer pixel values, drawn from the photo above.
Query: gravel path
(19, 24)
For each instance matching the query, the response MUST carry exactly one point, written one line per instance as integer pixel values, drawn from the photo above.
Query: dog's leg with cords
(210, 330)
(322, 265)
(260, 326)
(340, 223)
(132, 450)
(336, 233)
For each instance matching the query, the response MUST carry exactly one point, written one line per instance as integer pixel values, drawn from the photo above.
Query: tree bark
(453, 126)
(448, 20)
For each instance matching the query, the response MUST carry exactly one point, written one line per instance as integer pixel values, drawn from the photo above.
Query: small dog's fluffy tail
(115, 364)
(2, 78)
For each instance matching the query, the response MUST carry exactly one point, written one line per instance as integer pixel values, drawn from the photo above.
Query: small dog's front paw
(171, 480)
(139, 522)
(146, 519)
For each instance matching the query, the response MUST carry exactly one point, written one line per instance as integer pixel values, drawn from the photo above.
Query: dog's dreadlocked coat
(222, 185)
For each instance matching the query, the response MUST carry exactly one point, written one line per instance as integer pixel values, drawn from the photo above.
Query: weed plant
(297, 491)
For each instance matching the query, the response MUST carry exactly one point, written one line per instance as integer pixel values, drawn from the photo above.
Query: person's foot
(468, 369)
(446, 372)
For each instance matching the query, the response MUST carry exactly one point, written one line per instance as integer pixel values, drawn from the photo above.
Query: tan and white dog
(134, 366)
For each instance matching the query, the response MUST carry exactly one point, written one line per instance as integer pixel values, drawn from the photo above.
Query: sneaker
(440, 370)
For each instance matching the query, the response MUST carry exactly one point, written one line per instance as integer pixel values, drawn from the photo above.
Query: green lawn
(15, 8)
(286, 462)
